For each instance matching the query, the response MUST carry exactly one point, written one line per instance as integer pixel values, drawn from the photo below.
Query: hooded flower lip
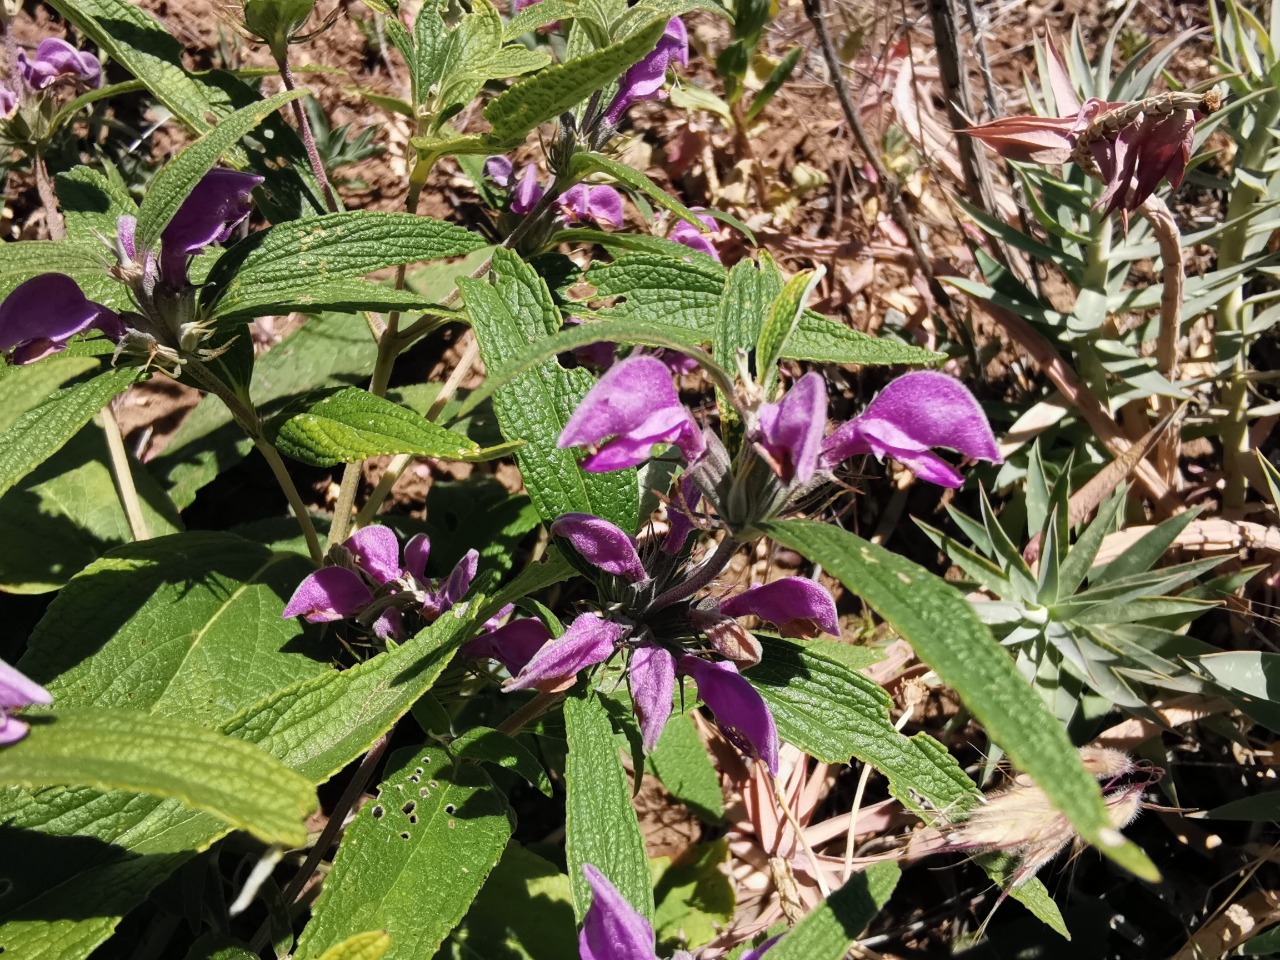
(636, 404)
(331, 593)
(500, 170)
(799, 607)
(601, 544)
(910, 416)
(42, 314)
(790, 431)
(376, 550)
(643, 81)
(652, 674)
(600, 204)
(589, 640)
(528, 191)
(17, 691)
(612, 928)
(215, 207)
(56, 58)
(512, 645)
(8, 102)
(690, 236)
(741, 713)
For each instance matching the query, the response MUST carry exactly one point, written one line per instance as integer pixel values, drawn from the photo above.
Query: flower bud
(276, 21)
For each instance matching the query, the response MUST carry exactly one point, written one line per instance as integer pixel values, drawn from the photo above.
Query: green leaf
(171, 186)
(329, 349)
(186, 626)
(363, 946)
(544, 97)
(24, 259)
(781, 73)
(535, 405)
(414, 857)
(600, 822)
(946, 634)
(40, 432)
(680, 761)
(140, 840)
(162, 757)
(586, 163)
(784, 317)
(740, 314)
(535, 16)
(289, 261)
(828, 932)
(486, 745)
(524, 912)
(350, 425)
(66, 513)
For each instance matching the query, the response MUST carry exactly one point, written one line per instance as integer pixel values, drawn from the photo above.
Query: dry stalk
(1173, 273)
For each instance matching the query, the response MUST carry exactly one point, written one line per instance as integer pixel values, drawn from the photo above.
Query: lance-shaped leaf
(162, 757)
(829, 931)
(351, 424)
(414, 857)
(947, 635)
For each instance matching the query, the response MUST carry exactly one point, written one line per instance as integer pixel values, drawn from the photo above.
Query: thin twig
(308, 138)
(123, 474)
(1173, 273)
(48, 199)
(898, 209)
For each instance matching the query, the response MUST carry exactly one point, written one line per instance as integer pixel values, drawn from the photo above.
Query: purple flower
(601, 544)
(798, 606)
(693, 238)
(42, 314)
(652, 675)
(741, 713)
(16, 692)
(219, 203)
(790, 431)
(589, 640)
(56, 58)
(376, 589)
(643, 81)
(527, 192)
(612, 928)
(680, 514)
(499, 169)
(636, 404)
(599, 204)
(513, 645)
(910, 416)
(8, 102)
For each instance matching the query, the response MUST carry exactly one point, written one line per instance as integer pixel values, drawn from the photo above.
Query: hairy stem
(252, 426)
(48, 200)
(308, 138)
(1173, 270)
(123, 473)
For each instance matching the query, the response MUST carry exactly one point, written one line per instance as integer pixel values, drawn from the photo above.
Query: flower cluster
(54, 60)
(644, 80)
(581, 202)
(615, 930)
(16, 692)
(42, 314)
(649, 614)
(367, 582)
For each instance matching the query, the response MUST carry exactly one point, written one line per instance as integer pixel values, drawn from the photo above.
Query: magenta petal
(513, 645)
(41, 314)
(793, 603)
(612, 928)
(331, 593)
(636, 403)
(500, 170)
(528, 192)
(599, 204)
(56, 58)
(644, 80)
(11, 729)
(791, 430)
(390, 625)
(601, 544)
(376, 551)
(17, 690)
(216, 206)
(653, 682)
(459, 580)
(416, 552)
(589, 640)
(741, 713)
(679, 514)
(8, 102)
(912, 414)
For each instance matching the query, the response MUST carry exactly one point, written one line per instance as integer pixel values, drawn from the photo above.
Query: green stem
(123, 474)
(1096, 262)
(252, 426)
(529, 712)
(1232, 314)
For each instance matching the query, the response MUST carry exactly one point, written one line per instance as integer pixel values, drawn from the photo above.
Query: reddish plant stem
(308, 138)
(48, 200)
(1173, 273)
